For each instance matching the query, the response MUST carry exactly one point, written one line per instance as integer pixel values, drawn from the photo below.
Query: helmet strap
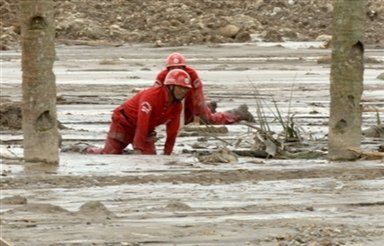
(171, 89)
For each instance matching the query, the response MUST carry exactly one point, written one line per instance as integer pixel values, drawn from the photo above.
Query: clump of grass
(291, 131)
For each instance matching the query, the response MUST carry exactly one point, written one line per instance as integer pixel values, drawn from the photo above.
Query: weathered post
(41, 137)
(346, 79)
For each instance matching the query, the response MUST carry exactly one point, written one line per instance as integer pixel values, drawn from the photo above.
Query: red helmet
(178, 77)
(175, 60)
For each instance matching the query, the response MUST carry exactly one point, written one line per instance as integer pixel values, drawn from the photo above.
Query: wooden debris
(306, 155)
(244, 153)
(251, 153)
(4, 243)
(222, 156)
(6, 153)
(368, 154)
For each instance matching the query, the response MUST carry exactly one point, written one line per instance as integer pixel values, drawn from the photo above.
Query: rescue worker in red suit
(195, 104)
(135, 120)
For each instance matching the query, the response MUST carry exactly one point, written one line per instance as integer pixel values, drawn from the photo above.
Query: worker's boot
(241, 113)
(212, 105)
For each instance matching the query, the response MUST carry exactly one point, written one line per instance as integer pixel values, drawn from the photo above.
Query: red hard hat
(175, 60)
(178, 77)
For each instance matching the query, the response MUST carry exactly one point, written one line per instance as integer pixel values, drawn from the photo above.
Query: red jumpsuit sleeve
(142, 126)
(161, 77)
(172, 129)
(199, 107)
(197, 94)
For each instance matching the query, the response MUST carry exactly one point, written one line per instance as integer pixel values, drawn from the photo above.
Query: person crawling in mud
(135, 120)
(195, 105)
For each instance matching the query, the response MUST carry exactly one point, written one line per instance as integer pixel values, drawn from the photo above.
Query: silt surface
(177, 200)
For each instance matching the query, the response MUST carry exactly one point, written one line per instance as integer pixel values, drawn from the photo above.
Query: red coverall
(195, 102)
(137, 118)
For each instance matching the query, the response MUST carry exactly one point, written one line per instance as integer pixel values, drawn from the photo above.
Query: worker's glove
(212, 105)
(241, 113)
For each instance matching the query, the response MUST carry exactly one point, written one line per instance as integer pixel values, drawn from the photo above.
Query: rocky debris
(376, 131)
(11, 116)
(13, 200)
(326, 39)
(223, 155)
(177, 206)
(372, 60)
(303, 155)
(381, 148)
(78, 147)
(381, 76)
(10, 28)
(229, 31)
(41, 208)
(324, 235)
(273, 36)
(202, 143)
(175, 23)
(95, 209)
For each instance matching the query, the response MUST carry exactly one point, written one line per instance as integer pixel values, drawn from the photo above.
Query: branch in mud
(368, 154)
(243, 153)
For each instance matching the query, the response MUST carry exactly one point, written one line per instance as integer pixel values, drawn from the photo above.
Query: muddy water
(159, 200)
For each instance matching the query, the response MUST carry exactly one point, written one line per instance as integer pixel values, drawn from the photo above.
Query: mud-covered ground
(179, 200)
